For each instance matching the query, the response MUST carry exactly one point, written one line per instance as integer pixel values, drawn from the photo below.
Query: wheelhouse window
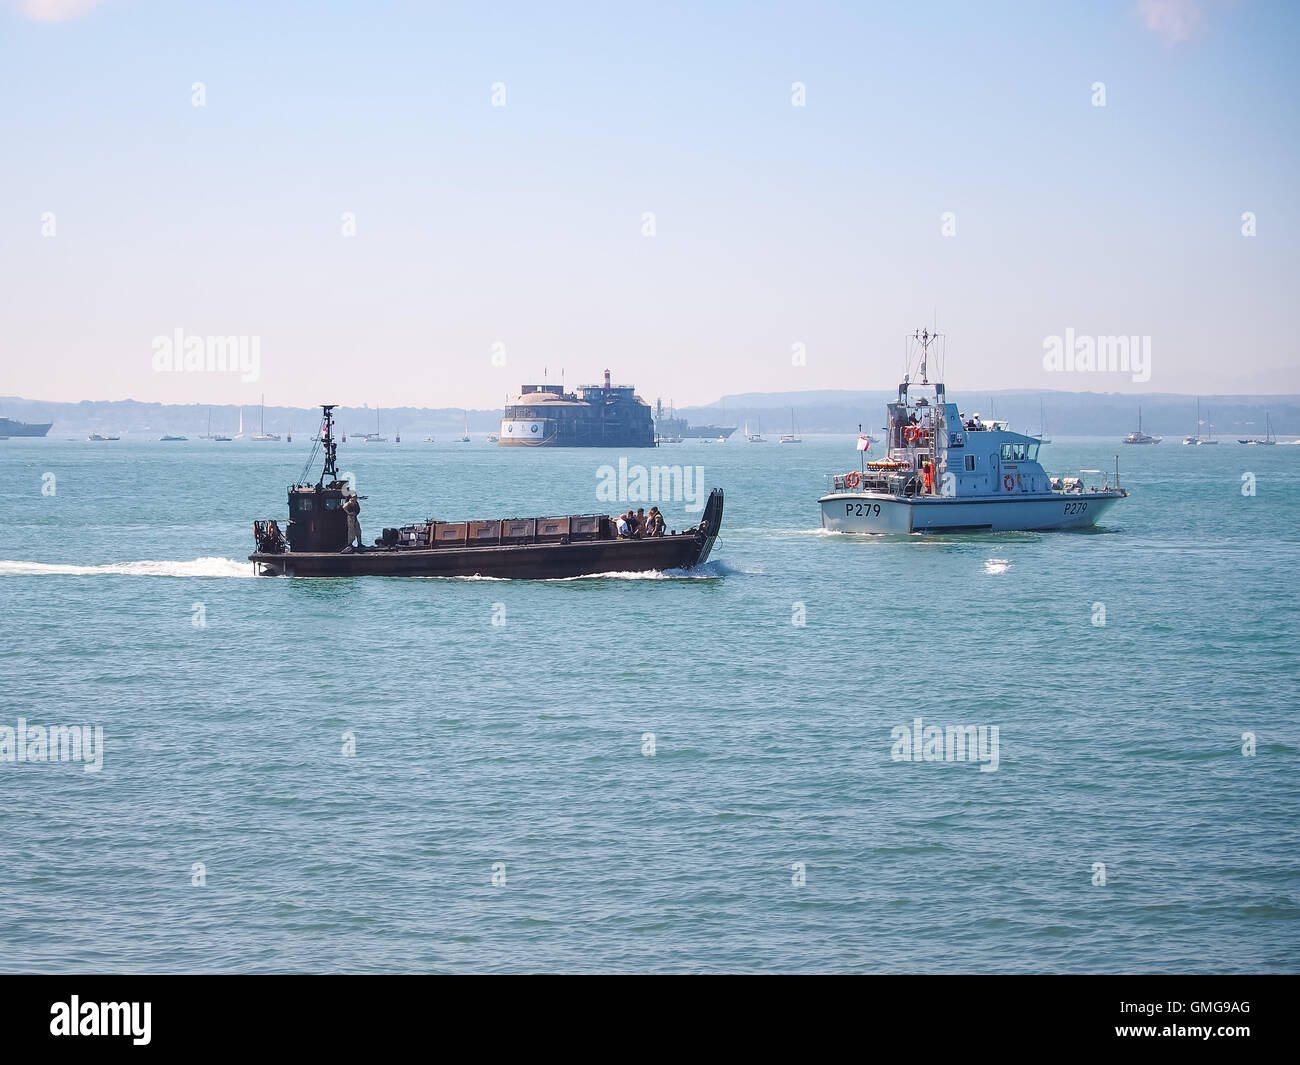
(1014, 452)
(1033, 452)
(304, 503)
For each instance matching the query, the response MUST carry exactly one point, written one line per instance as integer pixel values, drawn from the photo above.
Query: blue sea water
(517, 750)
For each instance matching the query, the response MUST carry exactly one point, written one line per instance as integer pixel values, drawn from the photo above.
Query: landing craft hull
(525, 562)
(875, 513)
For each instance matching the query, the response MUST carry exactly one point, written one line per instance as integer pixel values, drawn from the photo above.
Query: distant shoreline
(1077, 414)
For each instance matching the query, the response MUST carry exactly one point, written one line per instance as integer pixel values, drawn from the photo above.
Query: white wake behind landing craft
(941, 473)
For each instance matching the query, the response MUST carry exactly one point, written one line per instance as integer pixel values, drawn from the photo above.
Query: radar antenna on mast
(330, 469)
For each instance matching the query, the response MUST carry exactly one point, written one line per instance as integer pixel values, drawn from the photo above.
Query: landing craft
(316, 543)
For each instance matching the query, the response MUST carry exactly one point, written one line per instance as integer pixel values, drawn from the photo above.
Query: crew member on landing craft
(352, 507)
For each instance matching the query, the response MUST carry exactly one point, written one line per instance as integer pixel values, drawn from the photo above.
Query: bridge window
(1013, 452)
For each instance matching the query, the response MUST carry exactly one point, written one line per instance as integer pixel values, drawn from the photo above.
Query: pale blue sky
(522, 224)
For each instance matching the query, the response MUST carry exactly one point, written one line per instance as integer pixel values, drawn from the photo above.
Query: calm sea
(663, 772)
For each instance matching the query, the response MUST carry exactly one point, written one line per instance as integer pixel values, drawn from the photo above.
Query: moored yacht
(1139, 437)
(1196, 438)
(942, 473)
(792, 437)
(1269, 439)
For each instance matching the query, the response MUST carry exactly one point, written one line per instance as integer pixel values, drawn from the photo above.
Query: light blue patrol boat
(941, 473)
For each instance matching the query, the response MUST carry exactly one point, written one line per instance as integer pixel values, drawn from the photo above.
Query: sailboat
(240, 435)
(792, 437)
(375, 438)
(1139, 437)
(755, 438)
(1196, 438)
(208, 435)
(1042, 438)
(262, 434)
(1269, 438)
(465, 439)
(289, 436)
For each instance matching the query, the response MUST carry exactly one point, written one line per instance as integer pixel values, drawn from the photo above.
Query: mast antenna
(327, 438)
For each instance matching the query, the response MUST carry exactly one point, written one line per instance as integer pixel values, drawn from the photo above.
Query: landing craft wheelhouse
(942, 473)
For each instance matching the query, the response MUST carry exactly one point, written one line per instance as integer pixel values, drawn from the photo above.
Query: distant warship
(9, 427)
(670, 427)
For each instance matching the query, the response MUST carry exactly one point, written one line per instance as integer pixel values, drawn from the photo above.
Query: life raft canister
(853, 480)
(1009, 483)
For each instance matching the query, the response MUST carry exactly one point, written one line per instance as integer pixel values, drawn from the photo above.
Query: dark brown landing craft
(519, 548)
(524, 561)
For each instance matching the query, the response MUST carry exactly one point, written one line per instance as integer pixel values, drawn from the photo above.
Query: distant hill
(130, 416)
(1067, 414)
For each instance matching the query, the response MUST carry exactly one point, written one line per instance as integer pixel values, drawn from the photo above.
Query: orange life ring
(1009, 483)
(853, 480)
(911, 433)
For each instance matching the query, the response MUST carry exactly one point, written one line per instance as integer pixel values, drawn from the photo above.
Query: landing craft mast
(327, 438)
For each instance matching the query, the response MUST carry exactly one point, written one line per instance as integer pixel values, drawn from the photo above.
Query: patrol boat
(315, 542)
(941, 474)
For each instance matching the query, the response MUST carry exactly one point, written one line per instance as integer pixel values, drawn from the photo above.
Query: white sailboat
(792, 437)
(375, 437)
(1196, 438)
(1139, 437)
(240, 435)
(262, 434)
(755, 438)
(465, 437)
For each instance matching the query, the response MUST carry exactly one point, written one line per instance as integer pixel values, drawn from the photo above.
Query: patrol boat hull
(876, 513)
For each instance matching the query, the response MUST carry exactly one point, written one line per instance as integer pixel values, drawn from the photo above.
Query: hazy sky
(523, 225)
